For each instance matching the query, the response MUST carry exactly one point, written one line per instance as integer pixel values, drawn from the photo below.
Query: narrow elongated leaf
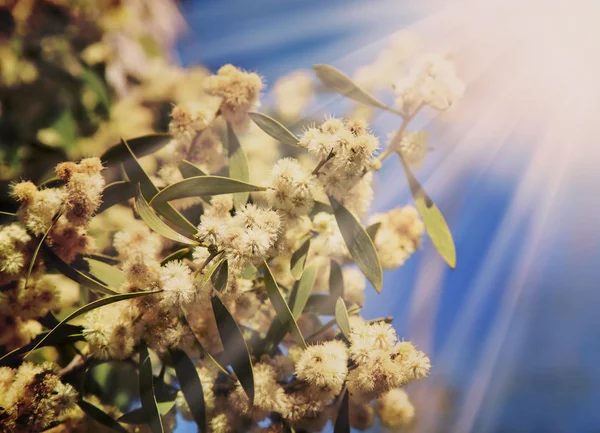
(341, 317)
(299, 259)
(191, 386)
(106, 273)
(149, 404)
(320, 207)
(336, 280)
(76, 275)
(139, 416)
(320, 303)
(7, 216)
(92, 306)
(100, 416)
(281, 307)
(56, 340)
(187, 169)
(273, 128)
(434, 221)
(359, 244)
(219, 276)
(202, 185)
(341, 83)
(342, 422)
(235, 347)
(238, 166)
(177, 255)
(305, 286)
(39, 245)
(141, 146)
(136, 173)
(115, 193)
(156, 224)
(372, 230)
(204, 353)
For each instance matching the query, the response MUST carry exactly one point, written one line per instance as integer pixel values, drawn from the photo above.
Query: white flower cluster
(399, 235)
(432, 81)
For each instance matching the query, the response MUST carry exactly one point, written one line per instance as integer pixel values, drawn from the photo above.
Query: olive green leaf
(115, 193)
(136, 174)
(304, 287)
(156, 224)
(238, 165)
(57, 339)
(110, 275)
(202, 185)
(299, 259)
(273, 128)
(219, 277)
(96, 85)
(177, 255)
(281, 307)
(191, 386)
(342, 422)
(341, 83)
(434, 221)
(341, 317)
(336, 280)
(187, 169)
(140, 146)
(359, 244)
(100, 416)
(236, 350)
(149, 404)
(92, 306)
(372, 230)
(76, 275)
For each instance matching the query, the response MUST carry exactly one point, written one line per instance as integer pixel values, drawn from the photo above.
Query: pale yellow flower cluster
(399, 235)
(32, 397)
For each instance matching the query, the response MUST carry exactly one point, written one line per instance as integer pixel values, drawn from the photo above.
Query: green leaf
(238, 166)
(136, 173)
(321, 304)
(188, 169)
(281, 307)
(39, 245)
(177, 255)
(305, 286)
(359, 244)
(273, 128)
(149, 404)
(248, 272)
(106, 273)
(138, 416)
(100, 416)
(342, 422)
(341, 83)
(156, 224)
(92, 306)
(219, 276)
(202, 185)
(235, 346)
(191, 386)
(7, 216)
(96, 85)
(336, 280)
(55, 340)
(319, 207)
(204, 352)
(76, 275)
(141, 146)
(115, 193)
(66, 128)
(372, 230)
(434, 221)
(341, 317)
(299, 259)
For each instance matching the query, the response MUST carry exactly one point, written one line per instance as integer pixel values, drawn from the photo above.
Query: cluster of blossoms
(32, 397)
(175, 295)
